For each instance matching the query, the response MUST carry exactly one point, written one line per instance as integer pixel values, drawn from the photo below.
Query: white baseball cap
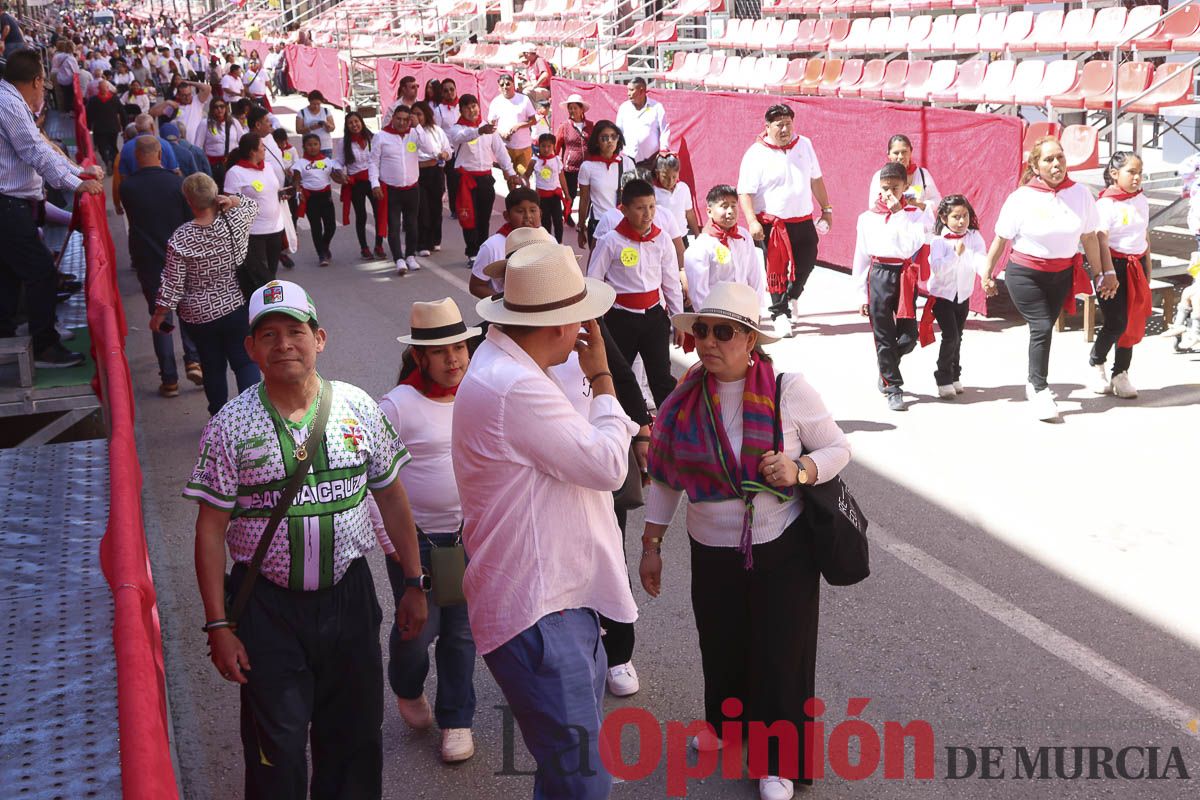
(281, 297)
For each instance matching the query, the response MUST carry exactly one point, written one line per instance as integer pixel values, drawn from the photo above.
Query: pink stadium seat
(982, 3)
(755, 34)
(1108, 27)
(861, 7)
(919, 31)
(1094, 80)
(1132, 79)
(812, 76)
(852, 73)
(831, 73)
(1180, 26)
(881, 7)
(856, 38)
(879, 36)
(961, 5)
(639, 33)
(727, 76)
(844, 6)
(991, 33)
(745, 78)
(893, 80)
(839, 32)
(787, 36)
(1138, 19)
(771, 71)
(1017, 28)
(941, 36)
(827, 7)
(937, 5)
(1175, 92)
(666, 32)
(821, 33)
(966, 86)
(1047, 31)
(772, 32)
(772, 7)
(897, 35)
(996, 81)
(913, 5)
(790, 83)
(1081, 145)
(831, 78)
(941, 77)
(680, 63)
(731, 38)
(1076, 29)
(804, 34)
(1027, 79)
(1035, 131)
(872, 76)
(918, 73)
(1060, 77)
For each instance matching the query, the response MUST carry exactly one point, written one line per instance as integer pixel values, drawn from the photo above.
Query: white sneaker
(470, 262)
(1041, 403)
(1100, 383)
(958, 387)
(623, 680)
(437, 248)
(1123, 387)
(423, 253)
(401, 267)
(775, 788)
(705, 742)
(457, 745)
(412, 263)
(947, 392)
(416, 713)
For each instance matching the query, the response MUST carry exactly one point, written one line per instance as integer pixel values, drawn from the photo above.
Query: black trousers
(322, 220)
(360, 195)
(572, 188)
(317, 676)
(618, 637)
(25, 262)
(647, 335)
(1039, 296)
(106, 145)
(952, 319)
(552, 216)
(894, 338)
(484, 197)
(262, 262)
(451, 183)
(1116, 316)
(758, 636)
(404, 208)
(803, 237)
(432, 182)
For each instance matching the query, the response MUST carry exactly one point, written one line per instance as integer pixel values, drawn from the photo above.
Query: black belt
(36, 207)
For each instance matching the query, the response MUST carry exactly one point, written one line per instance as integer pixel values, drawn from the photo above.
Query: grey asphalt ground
(1033, 585)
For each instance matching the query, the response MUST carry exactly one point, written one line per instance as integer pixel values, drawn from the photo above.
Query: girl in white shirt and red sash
(551, 184)
(356, 191)
(957, 256)
(315, 174)
(1047, 219)
(1124, 220)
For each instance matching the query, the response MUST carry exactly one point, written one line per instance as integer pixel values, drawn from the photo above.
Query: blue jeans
(552, 675)
(150, 276)
(408, 665)
(221, 345)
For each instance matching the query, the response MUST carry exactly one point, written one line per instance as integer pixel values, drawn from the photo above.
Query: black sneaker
(57, 357)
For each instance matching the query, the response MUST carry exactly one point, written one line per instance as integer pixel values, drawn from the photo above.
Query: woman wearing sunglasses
(754, 587)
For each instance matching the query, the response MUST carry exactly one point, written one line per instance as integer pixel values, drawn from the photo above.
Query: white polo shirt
(707, 262)
(634, 267)
(780, 181)
(262, 186)
(1048, 224)
(678, 202)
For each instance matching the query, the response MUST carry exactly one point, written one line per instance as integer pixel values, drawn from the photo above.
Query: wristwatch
(422, 582)
(802, 475)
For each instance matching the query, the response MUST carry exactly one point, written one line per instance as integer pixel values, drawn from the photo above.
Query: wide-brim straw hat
(732, 301)
(436, 323)
(521, 237)
(543, 286)
(575, 98)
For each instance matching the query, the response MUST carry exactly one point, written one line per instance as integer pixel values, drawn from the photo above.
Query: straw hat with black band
(544, 287)
(437, 323)
(732, 301)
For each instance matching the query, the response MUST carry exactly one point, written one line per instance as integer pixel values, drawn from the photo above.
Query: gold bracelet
(652, 540)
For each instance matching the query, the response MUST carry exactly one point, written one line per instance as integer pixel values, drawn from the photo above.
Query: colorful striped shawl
(690, 451)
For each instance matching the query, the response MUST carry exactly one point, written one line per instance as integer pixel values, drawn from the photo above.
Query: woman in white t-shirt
(246, 174)
(421, 409)
(221, 136)
(674, 194)
(600, 177)
(1047, 219)
(316, 119)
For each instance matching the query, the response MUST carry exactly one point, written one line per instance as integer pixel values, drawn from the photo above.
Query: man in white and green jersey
(306, 648)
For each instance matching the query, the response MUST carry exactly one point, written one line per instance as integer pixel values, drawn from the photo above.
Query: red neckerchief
(314, 159)
(768, 143)
(361, 140)
(1116, 194)
(1039, 185)
(105, 95)
(137, 92)
(721, 234)
(244, 163)
(626, 230)
(283, 148)
(912, 167)
(400, 133)
(616, 158)
(953, 236)
(470, 123)
(430, 389)
(505, 229)
(881, 207)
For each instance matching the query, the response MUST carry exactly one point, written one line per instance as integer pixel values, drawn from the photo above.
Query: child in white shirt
(957, 256)
(551, 184)
(315, 175)
(724, 252)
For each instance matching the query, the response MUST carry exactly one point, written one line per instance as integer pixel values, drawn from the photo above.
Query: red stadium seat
(1181, 26)
(1135, 23)
(804, 34)
(1132, 79)
(940, 78)
(872, 76)
(919, 31)
(893, 80)
(1095, 80)
(1108, 27)
(1017, 28)
(787, 36)
(830, 74)
(638, 34)
(1081, 145)
(938, 5)
(1077, 29)
(1035, 131)
(996, 81)
(1060, 77)
(812, 76)
(965, 87)
(918, 73)
(831, 79)
(772, 7)
(790, 84)
(991, 34)
(941, 36)
(1046, 31)
(1175, 92)
(852, 73)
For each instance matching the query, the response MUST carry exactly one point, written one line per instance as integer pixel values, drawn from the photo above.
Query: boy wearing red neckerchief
(723, 251)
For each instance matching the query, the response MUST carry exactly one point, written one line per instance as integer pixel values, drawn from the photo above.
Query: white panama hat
(436, 323)
(543, 286)
(575, 98)
(732, 301)
(521, 237)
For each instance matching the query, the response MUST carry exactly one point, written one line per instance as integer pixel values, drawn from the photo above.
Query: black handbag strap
(285, 502)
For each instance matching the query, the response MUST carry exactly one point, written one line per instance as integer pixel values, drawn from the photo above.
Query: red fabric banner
(388, 72)
(318, 68)
(254, 46)
(850, 138)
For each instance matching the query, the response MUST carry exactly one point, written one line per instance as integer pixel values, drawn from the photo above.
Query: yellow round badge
(412, 147)
(258, 186)
(319, 164)
(722, 254)
(629, 256)
(545, 173)
(473, 142)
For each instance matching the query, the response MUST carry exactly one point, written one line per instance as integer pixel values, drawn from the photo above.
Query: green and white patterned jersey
(246, 454)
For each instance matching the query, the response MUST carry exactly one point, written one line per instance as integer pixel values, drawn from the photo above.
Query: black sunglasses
(722, 331)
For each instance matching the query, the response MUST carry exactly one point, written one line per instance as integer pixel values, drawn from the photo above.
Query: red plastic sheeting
(146, 769)
(318, 68)
(254, 46)
(481, 83)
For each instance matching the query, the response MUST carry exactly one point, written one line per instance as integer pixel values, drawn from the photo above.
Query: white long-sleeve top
(953, 276)
(536, 480)
(394, 158)
(1126, 222)
(432, 144)
(362, 158)
(897, 235)
(476, 152)
(707, 262)
(633, 267)
(807, 425)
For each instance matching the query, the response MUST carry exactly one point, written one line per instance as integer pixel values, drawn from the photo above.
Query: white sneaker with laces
(773, 787)
(1123, 387)
(416, 712)
(623, 680)
(1100, 383)
(412, 263)
(947, 392)
(457, 745)
(401, 267)
(1041, 403)
(423, 253)
(958, 387)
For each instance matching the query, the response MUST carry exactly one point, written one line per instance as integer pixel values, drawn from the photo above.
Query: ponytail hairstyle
(1035, 152)
(1118, 160)
(245, 146)
(954, 201)
(899, 137)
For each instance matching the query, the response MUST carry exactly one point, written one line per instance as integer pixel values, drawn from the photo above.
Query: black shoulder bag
(832, 522)
(304, 454)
